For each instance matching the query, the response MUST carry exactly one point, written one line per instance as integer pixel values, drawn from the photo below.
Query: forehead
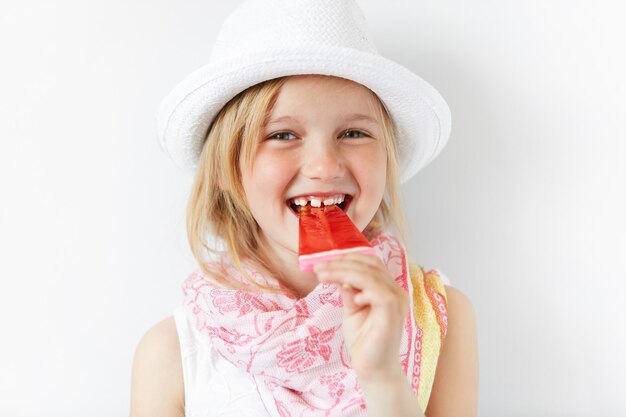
(321, 93)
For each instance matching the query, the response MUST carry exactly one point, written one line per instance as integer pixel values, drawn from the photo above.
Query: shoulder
(457, 368)
(459, 305)
(461, 320)
(157, 380)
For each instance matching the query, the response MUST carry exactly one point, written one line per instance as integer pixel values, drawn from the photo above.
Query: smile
(341, 200)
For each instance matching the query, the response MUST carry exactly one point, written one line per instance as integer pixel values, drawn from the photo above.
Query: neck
(285, 266)
(300, 283)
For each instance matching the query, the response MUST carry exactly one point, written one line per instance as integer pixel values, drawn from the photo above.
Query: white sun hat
(267, 39)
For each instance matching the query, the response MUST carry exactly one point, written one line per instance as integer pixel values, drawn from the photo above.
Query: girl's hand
(375, 309)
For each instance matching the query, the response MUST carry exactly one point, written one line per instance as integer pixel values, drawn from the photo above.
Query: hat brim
(420, 115)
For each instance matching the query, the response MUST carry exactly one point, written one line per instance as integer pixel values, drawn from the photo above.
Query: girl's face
(322, 141)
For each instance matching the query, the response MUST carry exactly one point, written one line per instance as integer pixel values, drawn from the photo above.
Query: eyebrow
(352, 117)
(357, 117)
(280, 119)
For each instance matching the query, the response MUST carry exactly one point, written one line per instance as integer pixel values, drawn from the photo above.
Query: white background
(524, 209)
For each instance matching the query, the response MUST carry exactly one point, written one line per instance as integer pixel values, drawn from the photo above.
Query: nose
(323, 161)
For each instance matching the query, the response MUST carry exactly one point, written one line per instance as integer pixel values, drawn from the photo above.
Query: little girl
(296, 108)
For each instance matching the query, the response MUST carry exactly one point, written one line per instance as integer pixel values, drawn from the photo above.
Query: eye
(352, 134)
(282, 136)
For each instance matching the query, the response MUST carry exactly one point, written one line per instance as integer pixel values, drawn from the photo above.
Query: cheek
(372, 169)
(270, 165)
(265, 180)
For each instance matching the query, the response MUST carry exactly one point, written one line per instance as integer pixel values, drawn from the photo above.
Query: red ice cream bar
(325, 233)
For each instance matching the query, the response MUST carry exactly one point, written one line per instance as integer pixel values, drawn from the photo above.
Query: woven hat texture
(267, 39)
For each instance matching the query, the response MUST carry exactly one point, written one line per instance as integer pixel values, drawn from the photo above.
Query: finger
(355, 277)
(348, 297)
(357, 258)
(371, 268)
(390, 300)
(351, 264)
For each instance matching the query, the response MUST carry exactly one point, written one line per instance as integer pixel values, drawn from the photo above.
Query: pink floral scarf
(294, 349)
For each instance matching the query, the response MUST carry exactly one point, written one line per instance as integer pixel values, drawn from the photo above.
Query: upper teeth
(317, 201)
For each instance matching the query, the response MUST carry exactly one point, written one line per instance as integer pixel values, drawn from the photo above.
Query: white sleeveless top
(213, 386)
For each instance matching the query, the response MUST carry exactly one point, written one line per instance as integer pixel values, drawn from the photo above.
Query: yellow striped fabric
(429, 306)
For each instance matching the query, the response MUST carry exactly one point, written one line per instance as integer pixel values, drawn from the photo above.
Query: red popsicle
(325, 233)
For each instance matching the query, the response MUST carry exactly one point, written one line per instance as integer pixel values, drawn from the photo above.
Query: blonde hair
(217, 204)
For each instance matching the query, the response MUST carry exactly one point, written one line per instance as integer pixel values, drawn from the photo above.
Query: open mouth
(341, 200)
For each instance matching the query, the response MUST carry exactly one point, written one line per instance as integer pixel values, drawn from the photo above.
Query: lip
(316, 194)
